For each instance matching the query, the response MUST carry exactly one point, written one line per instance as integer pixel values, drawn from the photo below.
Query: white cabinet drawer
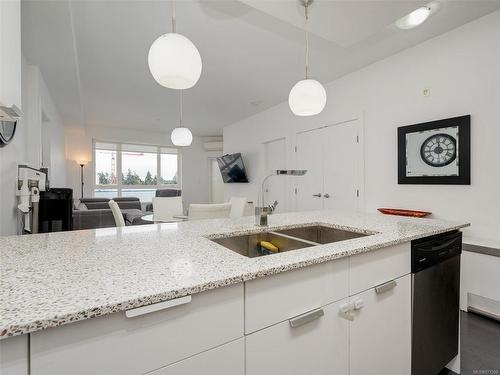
(378, 266)
(318, 347)
(273, 299)
(228, 359)
(115, 344)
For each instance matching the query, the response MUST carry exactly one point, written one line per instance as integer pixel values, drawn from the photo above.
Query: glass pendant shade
(181, 137)
(174, 61)
(307, 98)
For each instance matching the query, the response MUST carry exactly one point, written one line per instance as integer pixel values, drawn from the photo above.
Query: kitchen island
(167, 299)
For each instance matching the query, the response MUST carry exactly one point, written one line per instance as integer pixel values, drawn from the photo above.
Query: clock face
(439, 150)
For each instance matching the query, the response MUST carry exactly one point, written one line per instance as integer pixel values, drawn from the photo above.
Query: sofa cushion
(126, 203)
(133, 217)
(102, 203)
(95, 203)
(168, 193)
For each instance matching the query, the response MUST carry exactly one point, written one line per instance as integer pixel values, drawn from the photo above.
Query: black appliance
(435, 263)
(232, 168)
(55, 212)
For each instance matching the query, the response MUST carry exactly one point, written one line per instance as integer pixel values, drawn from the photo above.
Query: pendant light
(181, 136)
(174, 61)
(308, 96)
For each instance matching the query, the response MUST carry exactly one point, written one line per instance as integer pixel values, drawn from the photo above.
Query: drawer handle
(306, 318)
(385, 287)
(157, 307)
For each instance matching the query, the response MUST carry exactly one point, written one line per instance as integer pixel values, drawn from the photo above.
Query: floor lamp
(81, 163)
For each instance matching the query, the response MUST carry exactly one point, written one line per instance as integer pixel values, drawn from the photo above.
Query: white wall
(44, 129)
(461, 68)
(23, 85)
(10, 93)
(195, 179)
(195, 172)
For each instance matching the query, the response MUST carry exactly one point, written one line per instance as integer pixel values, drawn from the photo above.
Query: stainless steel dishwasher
(435, 301)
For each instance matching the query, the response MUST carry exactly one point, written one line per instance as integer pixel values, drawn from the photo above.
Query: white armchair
(117, 213)
(165, 208)
(209, 211)
(238, 205)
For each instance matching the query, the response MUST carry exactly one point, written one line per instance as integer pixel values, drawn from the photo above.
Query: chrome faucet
(262, 211)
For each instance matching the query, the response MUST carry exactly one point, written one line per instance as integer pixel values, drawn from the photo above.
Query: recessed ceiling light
(417, 17)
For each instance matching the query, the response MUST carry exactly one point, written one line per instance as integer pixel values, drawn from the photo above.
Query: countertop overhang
(48, 280)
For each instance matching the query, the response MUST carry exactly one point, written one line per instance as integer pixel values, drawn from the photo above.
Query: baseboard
(483, 306)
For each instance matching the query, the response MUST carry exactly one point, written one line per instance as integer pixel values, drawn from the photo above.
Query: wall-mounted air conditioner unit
(213, 145)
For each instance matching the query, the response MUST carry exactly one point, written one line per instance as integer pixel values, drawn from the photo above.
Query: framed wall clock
(436, 152)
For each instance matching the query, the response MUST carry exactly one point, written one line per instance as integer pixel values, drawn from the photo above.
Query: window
(169, 166)
(126, 170)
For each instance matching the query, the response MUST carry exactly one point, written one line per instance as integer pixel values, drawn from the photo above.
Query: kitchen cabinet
(380, 330)
(131, 344)
(14, 356)
(368, 332)
(227, 359)
(315, 342)
(349, 316)
(10, 53)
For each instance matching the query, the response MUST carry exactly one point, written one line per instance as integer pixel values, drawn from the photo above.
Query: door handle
(327, 195)
(306, 318)
(385, 287)
(317, 195)
(132, 313)
(440, 246)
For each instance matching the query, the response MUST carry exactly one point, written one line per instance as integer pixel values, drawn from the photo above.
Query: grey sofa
(95, 213)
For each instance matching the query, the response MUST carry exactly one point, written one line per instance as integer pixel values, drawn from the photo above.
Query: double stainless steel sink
(249, 245)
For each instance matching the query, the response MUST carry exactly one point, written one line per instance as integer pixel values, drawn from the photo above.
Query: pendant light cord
(306, 27)
(180, 108)
(174, 26)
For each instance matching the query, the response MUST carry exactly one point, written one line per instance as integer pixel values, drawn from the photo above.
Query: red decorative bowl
(400, 212)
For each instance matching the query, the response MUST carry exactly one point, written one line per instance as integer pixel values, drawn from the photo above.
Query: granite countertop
(47, 280)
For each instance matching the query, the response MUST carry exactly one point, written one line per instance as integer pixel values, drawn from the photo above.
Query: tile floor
(480, 345)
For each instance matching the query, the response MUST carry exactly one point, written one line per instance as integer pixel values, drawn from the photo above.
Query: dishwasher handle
(440, 246)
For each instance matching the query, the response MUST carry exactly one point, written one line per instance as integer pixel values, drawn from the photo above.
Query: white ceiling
(93, 54)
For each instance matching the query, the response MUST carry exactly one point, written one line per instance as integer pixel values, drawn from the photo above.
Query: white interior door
(309, 153)
(343, 161)
(216, 182)
(275, 188)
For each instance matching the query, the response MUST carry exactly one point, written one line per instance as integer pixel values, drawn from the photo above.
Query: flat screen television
(232, 168)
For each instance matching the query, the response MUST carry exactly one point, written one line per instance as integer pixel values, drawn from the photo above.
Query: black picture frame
(463, 178)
